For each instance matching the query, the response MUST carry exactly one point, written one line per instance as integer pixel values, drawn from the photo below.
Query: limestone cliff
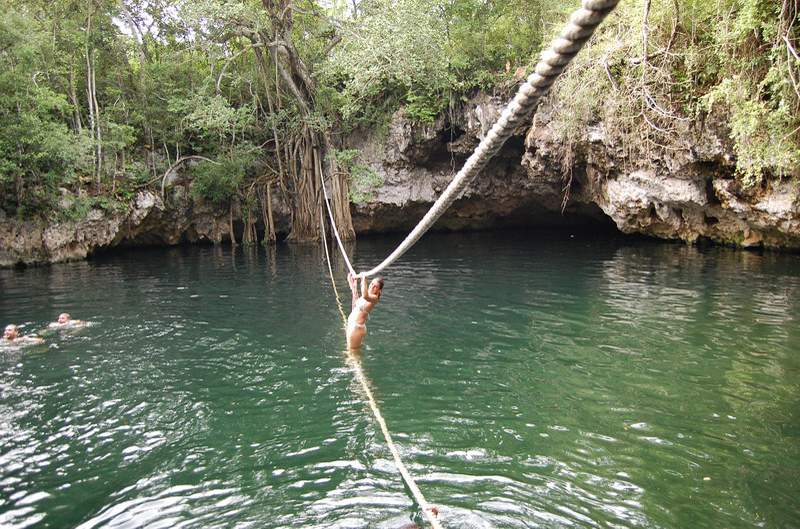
(686, 192)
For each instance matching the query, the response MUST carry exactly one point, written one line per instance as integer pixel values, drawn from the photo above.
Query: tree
(300, 133)
(37, 151)
(105, 97)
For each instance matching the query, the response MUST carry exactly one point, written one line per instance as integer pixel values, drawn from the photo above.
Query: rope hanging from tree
(335, 231)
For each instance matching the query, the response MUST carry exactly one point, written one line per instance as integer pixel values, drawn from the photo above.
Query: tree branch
(790, 51)
(610, 77)
(172, 168)
(236, 56)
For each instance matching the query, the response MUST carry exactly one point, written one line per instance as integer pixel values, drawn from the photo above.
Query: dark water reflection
(529, 381)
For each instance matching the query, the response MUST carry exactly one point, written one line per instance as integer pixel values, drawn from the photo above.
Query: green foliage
(362, 179)
(37, 151)
(725, 57)
(387, 54)
(219, 182)
(75, 208)
(212, 118)
(422, 54)
(762, 135)
(201, 80)
(423, 108)
(216, 182)
(485, 37)
(137, 173)
(753, 84)
(119, 136)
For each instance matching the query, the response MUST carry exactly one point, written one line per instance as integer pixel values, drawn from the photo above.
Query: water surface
(542, 380)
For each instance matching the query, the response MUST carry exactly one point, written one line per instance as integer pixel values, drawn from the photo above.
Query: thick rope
(330, 269)
(333, 227)
(430, 512)
(583, 23)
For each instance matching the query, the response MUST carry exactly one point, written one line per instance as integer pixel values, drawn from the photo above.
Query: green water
(528, 381)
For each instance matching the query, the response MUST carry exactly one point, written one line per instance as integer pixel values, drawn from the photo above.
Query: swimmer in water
(362, 306)
(11, 335)
(65, 320)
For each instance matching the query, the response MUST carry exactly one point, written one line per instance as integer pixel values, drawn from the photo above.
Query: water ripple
(561, 382)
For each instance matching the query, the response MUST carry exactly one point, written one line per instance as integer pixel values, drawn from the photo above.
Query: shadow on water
(528, 379)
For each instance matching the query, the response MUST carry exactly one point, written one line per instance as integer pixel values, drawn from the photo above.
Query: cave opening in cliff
(711, 193)
(445, 151)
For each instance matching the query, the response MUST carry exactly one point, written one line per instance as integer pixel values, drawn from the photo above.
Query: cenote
(537, 380)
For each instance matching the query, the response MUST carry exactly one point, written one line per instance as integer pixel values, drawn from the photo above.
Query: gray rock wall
(687, 192)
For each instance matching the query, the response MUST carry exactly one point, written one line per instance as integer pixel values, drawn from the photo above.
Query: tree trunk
(307, 195)
(77, 125)
(309, 170)
(338, 191)
(266, 208)
(91, 96)
(230, 223)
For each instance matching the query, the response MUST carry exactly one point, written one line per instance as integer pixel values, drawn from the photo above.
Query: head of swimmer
(376, 286)
(63, 317)
(10, 332)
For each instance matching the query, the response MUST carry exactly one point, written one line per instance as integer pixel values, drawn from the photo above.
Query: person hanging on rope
(361, 307)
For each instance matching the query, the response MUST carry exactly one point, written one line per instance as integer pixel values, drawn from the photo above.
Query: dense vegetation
(101, 98)
(664, 63)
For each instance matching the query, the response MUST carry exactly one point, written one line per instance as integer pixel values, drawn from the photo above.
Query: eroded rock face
(687, 192)
(417, 163)
(691, 194)
(148, 222)
(717, 209)
(537, 181)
